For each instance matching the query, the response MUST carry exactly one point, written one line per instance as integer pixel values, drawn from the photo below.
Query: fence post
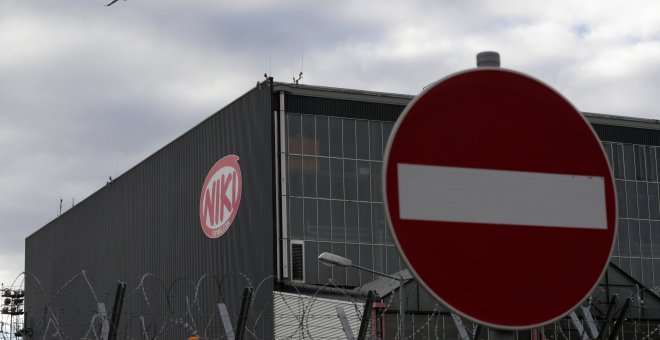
(245, 308)
(116, 310)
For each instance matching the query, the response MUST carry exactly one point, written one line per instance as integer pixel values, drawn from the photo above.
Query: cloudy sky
(88, 91)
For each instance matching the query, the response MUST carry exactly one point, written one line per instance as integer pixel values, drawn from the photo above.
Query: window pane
(376, 185)
(352, 274)
(647, 272)
(325, 272)
(349, 138)
(366, 261)
(629, 161)
(378, 220)
(392, 260)
(295, 180)
(311, 266)
(649, 157)
(375, 141)
(645, 238)
(365, 222)
(631, 199)
(311, 231)
(636, 268)
(380, 259)
(633, 232)
(350, 179)
(608, 152)
(351, 220)
(640, 163)
(624, 243)
(643, 200)
(364, 185)
(336, 178)
(296, 218)
(362, 131)
(309, 176)
(324, 220)
(621, 197)
(323, 177)
(656, 269)
(654, 204)
(338, 229)
(655, 238)
(294, 134)
(387, 130)
(625, 264)
(322, 136)
(617, 160)
(335, 137)
(308, 135)
(339, 273)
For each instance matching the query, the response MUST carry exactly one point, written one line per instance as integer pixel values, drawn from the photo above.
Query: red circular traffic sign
(500, 198)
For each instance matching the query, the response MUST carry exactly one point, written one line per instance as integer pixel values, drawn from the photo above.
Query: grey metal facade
(144, 229)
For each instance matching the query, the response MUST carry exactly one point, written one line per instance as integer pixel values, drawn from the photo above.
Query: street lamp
(332, 260)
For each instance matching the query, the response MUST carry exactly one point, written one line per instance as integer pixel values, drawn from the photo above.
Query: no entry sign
(500, 198)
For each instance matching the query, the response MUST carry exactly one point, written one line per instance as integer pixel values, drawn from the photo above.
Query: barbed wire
(156, 308)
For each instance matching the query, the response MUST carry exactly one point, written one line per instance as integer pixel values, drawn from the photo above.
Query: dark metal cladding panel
(624, 134)
(343, 108)
(144, 229)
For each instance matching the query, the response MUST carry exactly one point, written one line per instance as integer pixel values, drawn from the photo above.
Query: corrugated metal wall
(148, 221)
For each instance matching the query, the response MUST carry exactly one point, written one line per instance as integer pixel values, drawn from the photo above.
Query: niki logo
(221, 195)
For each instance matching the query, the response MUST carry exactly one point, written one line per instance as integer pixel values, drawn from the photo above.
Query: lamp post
(332, 260)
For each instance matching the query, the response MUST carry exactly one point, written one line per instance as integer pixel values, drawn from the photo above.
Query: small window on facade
(297, 265)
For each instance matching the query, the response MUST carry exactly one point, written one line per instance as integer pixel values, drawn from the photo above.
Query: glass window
(645, 238)
(349, 138)
(631, 199)
(294, 133)
(311, 266)
(625, 264)
(654, 204)
(378, 220)
(643, 200)
(629, 161)
(375, 141)
(615, 249)
(617, 157)
(296, 223)
(352, 274)
(656, 269)
(339, 273)
(640, 163)
(649, 156)
(380, 259)
(366, 261)
(322, 136)
(338, 229)
(351, 220)
(621, 197)
(335, 137)
(311, 231)
(365, 222)
(362, 133)
(364, 185)
(392, 260)
(656, 151)
(633, 232)
(309, 144)
(323, 177)
(325, 272)
(624, 243)
(636, 268)
(336, 178)
(655, 238)
(647, 272)
(376, 185)
(324, 220)
(295, 179)
(350, 179)
(387, 130)
(608, 152)
(309, 176)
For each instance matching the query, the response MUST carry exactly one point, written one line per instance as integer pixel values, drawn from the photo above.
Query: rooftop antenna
(302, 63)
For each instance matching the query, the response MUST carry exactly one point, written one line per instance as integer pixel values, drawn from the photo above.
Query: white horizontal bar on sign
(453, 194)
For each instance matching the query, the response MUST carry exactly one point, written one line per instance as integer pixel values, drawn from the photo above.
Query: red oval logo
(221, 195)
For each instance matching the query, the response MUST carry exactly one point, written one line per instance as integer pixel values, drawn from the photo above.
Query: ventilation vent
(297, 262)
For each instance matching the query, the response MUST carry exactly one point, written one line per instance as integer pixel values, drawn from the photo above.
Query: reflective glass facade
(637, 250)
(334, 195)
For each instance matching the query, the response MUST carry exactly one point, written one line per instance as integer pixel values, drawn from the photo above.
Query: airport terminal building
(252, 195)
